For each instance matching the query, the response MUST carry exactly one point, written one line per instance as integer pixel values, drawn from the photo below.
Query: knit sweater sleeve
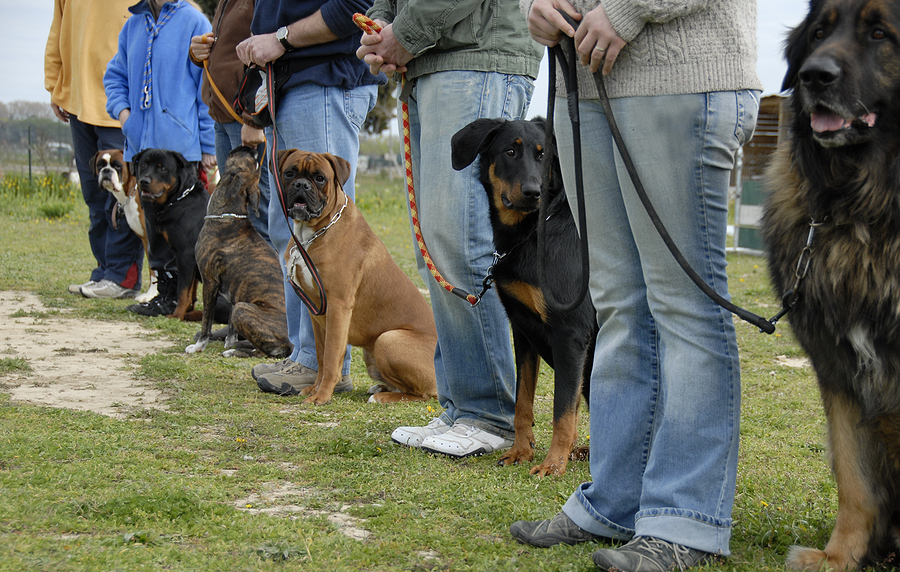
(628, 17)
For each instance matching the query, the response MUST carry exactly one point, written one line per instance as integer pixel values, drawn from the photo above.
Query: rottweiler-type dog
(510, 155)
(114, 176)
(371, 303)
(835, 180)
(174, 202)
(236, 261)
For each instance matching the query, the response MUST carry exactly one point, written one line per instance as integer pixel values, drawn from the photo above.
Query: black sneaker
(546, 533)
(158, 306)
(648, 554)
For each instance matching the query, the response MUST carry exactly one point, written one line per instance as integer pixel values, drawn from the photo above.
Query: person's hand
(201, 46)
(596, 39)
(251, 136)
(207, 161)
(61, 113)
(547, 25)
(260, 50)
(382, 52)
(123, 117)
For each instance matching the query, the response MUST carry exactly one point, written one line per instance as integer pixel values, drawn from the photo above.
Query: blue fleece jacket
(153, 76)
(346, 71)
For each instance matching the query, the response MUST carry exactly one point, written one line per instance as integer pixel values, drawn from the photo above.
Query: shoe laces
(661, 551)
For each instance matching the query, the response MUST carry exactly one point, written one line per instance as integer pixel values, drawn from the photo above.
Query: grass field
(231, 479)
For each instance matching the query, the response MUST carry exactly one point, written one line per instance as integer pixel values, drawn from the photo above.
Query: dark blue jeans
(118, 251)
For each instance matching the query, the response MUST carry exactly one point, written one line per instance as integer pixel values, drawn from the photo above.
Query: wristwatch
(282, 36)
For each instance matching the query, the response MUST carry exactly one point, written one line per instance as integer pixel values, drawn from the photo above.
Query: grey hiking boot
(294, 378)
(648, 554)
(264, 368)
(546, 533)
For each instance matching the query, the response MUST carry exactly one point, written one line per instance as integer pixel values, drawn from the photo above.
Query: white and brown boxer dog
(114, 176)
(371, 303)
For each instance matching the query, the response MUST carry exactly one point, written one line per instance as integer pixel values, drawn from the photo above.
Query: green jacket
(470, 35)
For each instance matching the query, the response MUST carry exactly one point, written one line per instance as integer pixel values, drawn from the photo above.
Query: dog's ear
(188, 172)
(136, 162)
(341, 167)
(472, 140)
(282, 157)
(253, 198)
(93, 163)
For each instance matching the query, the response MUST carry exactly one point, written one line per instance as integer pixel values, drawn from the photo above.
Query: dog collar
(225, 215)
(334, 219)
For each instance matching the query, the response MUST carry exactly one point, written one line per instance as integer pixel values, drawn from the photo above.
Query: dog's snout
(531, 192)
(820, 72)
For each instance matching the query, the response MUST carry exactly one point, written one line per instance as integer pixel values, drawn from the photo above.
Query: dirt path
(75, 363)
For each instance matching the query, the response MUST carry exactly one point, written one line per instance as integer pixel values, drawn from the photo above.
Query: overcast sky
(24, 25)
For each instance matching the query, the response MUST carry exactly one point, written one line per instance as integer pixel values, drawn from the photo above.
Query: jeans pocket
(748, 112)
(357, 104)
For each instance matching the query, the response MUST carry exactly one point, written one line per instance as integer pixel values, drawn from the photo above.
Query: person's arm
(53, 59)
(115, 82)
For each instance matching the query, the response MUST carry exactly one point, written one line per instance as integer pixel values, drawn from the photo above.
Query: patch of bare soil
(75, 363)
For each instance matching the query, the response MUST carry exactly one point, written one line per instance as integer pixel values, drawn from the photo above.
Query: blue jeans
(476, 378)
(322, 120)
(665, 388)
(118, 251)
(228, 136)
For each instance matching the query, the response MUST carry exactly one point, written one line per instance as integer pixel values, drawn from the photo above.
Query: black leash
(764, 325)
(298, 246)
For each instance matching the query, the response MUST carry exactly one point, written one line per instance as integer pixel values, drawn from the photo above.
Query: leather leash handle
(368, 26)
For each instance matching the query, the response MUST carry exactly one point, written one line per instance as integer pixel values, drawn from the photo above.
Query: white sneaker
(413, 436)
(76, 288)
(465, 441)
(108, 289)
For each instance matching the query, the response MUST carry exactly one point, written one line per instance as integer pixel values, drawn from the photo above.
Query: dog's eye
(540, 155)
(819, 34)
(510, 152)
(321, 179)
(878, 34)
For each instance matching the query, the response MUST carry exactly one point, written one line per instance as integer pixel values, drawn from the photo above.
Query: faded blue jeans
(665, 388)
(320, 120)
(228, 136)
(476, 378)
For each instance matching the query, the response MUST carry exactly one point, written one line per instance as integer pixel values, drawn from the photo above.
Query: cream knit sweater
(675, 47)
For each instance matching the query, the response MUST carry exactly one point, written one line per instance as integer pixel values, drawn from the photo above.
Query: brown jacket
(231, 25)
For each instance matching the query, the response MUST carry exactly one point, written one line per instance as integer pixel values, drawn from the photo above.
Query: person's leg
(680, 458)
(228, 136)
(474, 361)
(85, 144)
(321, 120)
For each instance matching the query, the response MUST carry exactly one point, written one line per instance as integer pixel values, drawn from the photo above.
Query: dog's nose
(532, 193)
(819, 72)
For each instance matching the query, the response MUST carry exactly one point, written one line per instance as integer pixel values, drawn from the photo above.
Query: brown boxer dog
(236, 261)
(371, 303)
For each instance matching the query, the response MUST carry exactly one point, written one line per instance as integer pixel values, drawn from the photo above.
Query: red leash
(369, 27)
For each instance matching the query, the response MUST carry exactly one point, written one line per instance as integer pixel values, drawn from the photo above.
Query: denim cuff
(583, 514)
(689, 529)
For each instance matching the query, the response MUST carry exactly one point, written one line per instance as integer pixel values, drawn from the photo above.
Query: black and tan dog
(371, 303)
(114, 176)
(235, 260)
(835, 181)
(174, 203)
(510, 169)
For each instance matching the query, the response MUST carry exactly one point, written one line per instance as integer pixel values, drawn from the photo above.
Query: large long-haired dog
(837, 181)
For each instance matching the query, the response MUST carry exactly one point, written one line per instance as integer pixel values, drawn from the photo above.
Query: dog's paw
(196, 348)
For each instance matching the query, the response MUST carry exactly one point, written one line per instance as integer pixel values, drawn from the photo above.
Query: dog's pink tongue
(822, 122)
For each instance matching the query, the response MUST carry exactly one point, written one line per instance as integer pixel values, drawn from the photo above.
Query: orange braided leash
(369, 27)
